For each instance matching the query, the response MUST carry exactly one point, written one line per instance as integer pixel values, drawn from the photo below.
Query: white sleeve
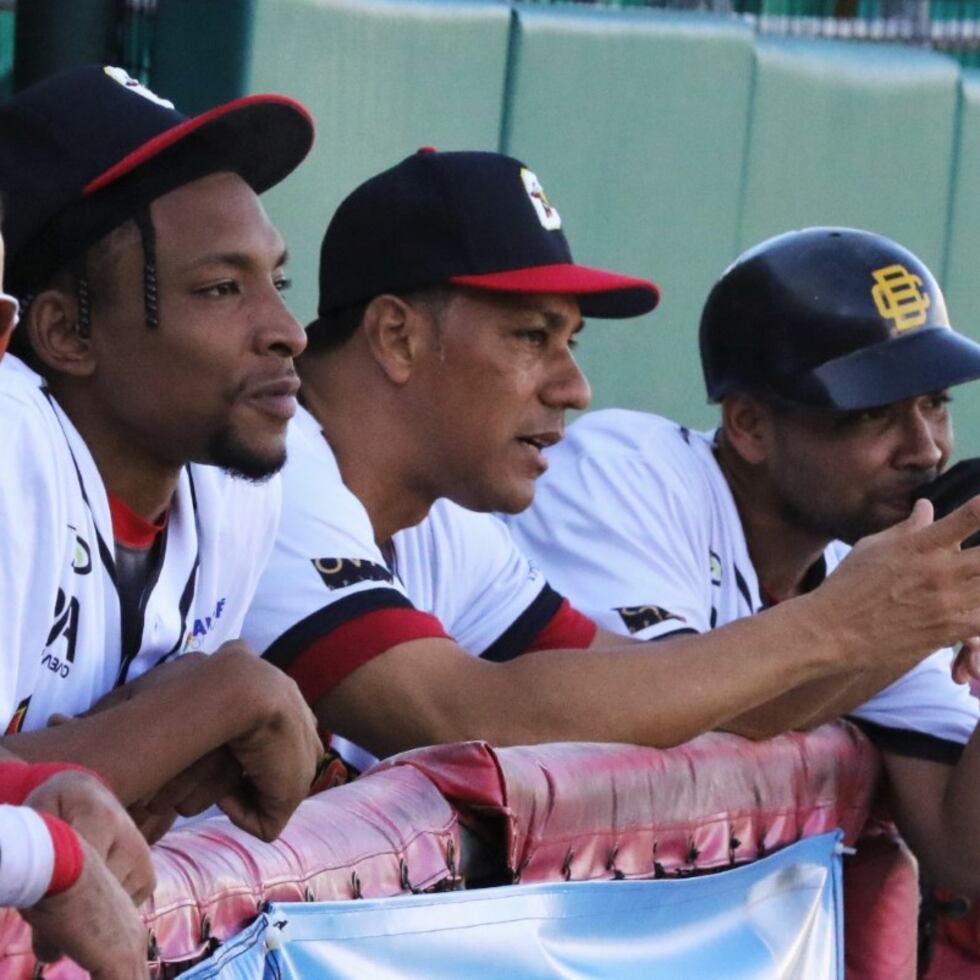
(33, 519)
(325, 567)
(625, 541)
(926, 701)
(26, 857)
(485, 592)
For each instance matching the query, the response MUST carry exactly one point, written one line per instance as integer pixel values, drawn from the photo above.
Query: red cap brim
(601, 294)
(265, 157)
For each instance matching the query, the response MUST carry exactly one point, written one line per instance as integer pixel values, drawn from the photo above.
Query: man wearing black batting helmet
(147, 406)
(437, 374)
(831, 353)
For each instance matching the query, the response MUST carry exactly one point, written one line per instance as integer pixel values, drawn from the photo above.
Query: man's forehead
(557, 309)
(211, 210)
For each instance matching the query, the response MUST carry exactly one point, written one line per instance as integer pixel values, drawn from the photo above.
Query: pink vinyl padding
(382, 835)
(567, 811)
(578, 811)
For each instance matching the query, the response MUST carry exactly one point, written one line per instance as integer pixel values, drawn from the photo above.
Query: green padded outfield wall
(635, 121)
(961, 275)
(382, 78)
(852, 134)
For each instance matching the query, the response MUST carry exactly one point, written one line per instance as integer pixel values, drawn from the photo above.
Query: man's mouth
(277, 397)
(541, 440)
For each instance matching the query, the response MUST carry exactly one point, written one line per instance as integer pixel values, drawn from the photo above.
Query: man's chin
(246, 462)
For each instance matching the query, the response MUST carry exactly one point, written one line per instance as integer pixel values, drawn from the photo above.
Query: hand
(907, 591)
(277, 755)
(952, 489)
(97, 816)
(94, 922)
(199, 786)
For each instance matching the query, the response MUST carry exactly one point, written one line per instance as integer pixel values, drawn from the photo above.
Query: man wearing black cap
(831, 353)
(438, 370)
(134, 446)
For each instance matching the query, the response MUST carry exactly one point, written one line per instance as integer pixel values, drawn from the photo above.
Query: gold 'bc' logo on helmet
(898, 297)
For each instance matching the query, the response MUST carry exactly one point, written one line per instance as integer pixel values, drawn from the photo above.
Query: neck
(131, 472)
(781, 552)
(370, 439)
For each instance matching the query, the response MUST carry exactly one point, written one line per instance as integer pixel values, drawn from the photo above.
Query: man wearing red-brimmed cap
(142, 420)
(438, 370)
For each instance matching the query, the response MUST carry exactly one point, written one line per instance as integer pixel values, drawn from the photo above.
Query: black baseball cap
(465, 218)
(84, 150)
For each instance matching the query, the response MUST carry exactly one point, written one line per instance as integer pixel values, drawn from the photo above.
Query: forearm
(429, 692)
(937, 809)
(809, 705)
(142, 740)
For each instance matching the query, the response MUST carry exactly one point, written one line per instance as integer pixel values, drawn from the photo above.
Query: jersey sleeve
(327, 602)
(623, 540)
(489, 596)
(33, 519)
(924, 714)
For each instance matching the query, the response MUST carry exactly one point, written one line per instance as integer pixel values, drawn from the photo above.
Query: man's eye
(283, 283)
(226, 288)
(537, 338)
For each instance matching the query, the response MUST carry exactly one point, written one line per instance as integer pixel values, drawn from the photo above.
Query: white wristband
(26, 857)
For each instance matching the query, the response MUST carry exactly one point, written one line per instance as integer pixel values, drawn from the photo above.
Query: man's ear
(54, 335)
(747, 424)
(393, 332)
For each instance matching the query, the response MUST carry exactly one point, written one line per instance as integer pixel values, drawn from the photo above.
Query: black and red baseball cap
(84, 150)
(468, 219)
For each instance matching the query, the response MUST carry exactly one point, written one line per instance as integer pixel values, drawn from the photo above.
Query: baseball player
(830, 352)
(439, 369)
(147, 406)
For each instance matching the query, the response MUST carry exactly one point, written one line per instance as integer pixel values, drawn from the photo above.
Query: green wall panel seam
(510, 81)
(737, 246)
(954, 166)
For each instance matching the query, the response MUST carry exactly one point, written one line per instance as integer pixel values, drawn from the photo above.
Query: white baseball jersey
(330, 600)
(60, 633)
(635, 522)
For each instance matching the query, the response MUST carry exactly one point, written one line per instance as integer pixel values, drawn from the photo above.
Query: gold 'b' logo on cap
(899, 298)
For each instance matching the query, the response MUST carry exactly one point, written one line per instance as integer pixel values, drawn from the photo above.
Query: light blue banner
(780, 917)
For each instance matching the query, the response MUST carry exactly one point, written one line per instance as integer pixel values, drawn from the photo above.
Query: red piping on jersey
(132, 530)
(568, 629)
(331, 658)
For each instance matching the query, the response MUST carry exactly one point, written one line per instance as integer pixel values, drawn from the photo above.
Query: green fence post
(54, 34)
(201, 51)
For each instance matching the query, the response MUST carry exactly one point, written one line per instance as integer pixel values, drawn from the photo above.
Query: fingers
(94, 923)
(950, 530)
(98, 817)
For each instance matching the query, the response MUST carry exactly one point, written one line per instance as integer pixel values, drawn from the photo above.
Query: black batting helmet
(834, 319)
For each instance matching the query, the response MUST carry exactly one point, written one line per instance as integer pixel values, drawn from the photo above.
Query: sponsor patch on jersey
(16, 723)
(338, 573)
(202, 627)
(637, 618)
(127, 81)
(547, 213)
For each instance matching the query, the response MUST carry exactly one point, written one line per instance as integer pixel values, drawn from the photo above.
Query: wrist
(19, 779)
(42, 856)
(69, 858)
